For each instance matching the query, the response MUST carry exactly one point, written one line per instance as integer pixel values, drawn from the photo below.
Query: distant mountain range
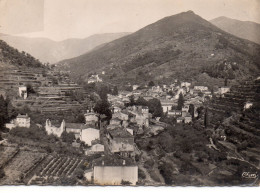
(183, 46)
(47, 50)
(243, 29)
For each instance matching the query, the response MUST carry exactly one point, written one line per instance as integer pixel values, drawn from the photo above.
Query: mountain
(47, 50)
(243, 29)
(183, 46)
(11, 57)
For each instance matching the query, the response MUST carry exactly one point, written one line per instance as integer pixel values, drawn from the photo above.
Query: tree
(132, 100)
(180, 101)
(30, 89)
(2, 173)
(102, 107)
(67, 137)
(226, 81)
(102, 91)
(3, 112)
(191, 110)
(206, 118)
(155, 107)
(115, 91)
(200, 112)
(80, 118)
(151, 83)
(166, 171)
(141, 101)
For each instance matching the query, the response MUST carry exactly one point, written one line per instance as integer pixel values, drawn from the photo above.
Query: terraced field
(7, 153)
(21, 165)
(56, 167)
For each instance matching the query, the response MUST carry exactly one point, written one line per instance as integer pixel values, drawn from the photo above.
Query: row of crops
(60, 166)
(56, 167)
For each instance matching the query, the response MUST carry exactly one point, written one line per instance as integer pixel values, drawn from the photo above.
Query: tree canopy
(180, 101)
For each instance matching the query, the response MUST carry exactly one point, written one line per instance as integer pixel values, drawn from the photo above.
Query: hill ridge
(180, 45)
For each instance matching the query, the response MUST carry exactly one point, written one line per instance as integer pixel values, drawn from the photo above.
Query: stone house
(22, 92)
(112, 171)
(90, 134)
(75, 128)
(94, 78)
(223, 90)
(200, 88)
(91, 118)
(116, 109)
(20, 121)
(97, 148)
(180, 119)
(174, 113)
(248, 105)
(120, 142)
(167, 105)
(115, 121)
(185, 84)
(135, 87)
(185, 108)
(188, 119)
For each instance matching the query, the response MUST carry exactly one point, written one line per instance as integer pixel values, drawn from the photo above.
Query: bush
(166, 171)
(141, 174)
(154, 176)
(149, 164)
(125, 183)
(2, 173)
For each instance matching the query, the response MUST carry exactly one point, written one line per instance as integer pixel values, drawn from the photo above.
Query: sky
(62, 19)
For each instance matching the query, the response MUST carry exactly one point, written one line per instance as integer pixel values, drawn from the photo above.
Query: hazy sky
(61, 19)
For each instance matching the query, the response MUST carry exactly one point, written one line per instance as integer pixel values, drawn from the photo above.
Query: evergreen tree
(141, 101)
(151, 83)
(3, 112)
(206, 118)
(115, 91)
(191, 110)
(226, 81)
(132, 100)
(155, 107)
(102, 107)
(180, 101)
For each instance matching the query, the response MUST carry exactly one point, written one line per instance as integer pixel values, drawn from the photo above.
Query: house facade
(120, 142)
(114, 171)
(20, 121)
(90, 134)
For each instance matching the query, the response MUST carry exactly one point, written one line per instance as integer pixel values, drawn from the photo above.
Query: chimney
(123, 162)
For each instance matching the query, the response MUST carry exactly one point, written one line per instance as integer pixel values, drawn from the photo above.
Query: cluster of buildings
(94, 78)
(88, 132)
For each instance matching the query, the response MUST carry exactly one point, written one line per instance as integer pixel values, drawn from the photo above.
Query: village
(139, 113)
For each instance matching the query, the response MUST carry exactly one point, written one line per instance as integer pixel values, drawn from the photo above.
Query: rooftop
(76, 126)
(120, 133)
(22, 116)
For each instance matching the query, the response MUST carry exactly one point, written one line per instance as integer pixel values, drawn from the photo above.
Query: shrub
(149, 164)
(166, 171)
(125, 183)
(141, 174)
(154, 176)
